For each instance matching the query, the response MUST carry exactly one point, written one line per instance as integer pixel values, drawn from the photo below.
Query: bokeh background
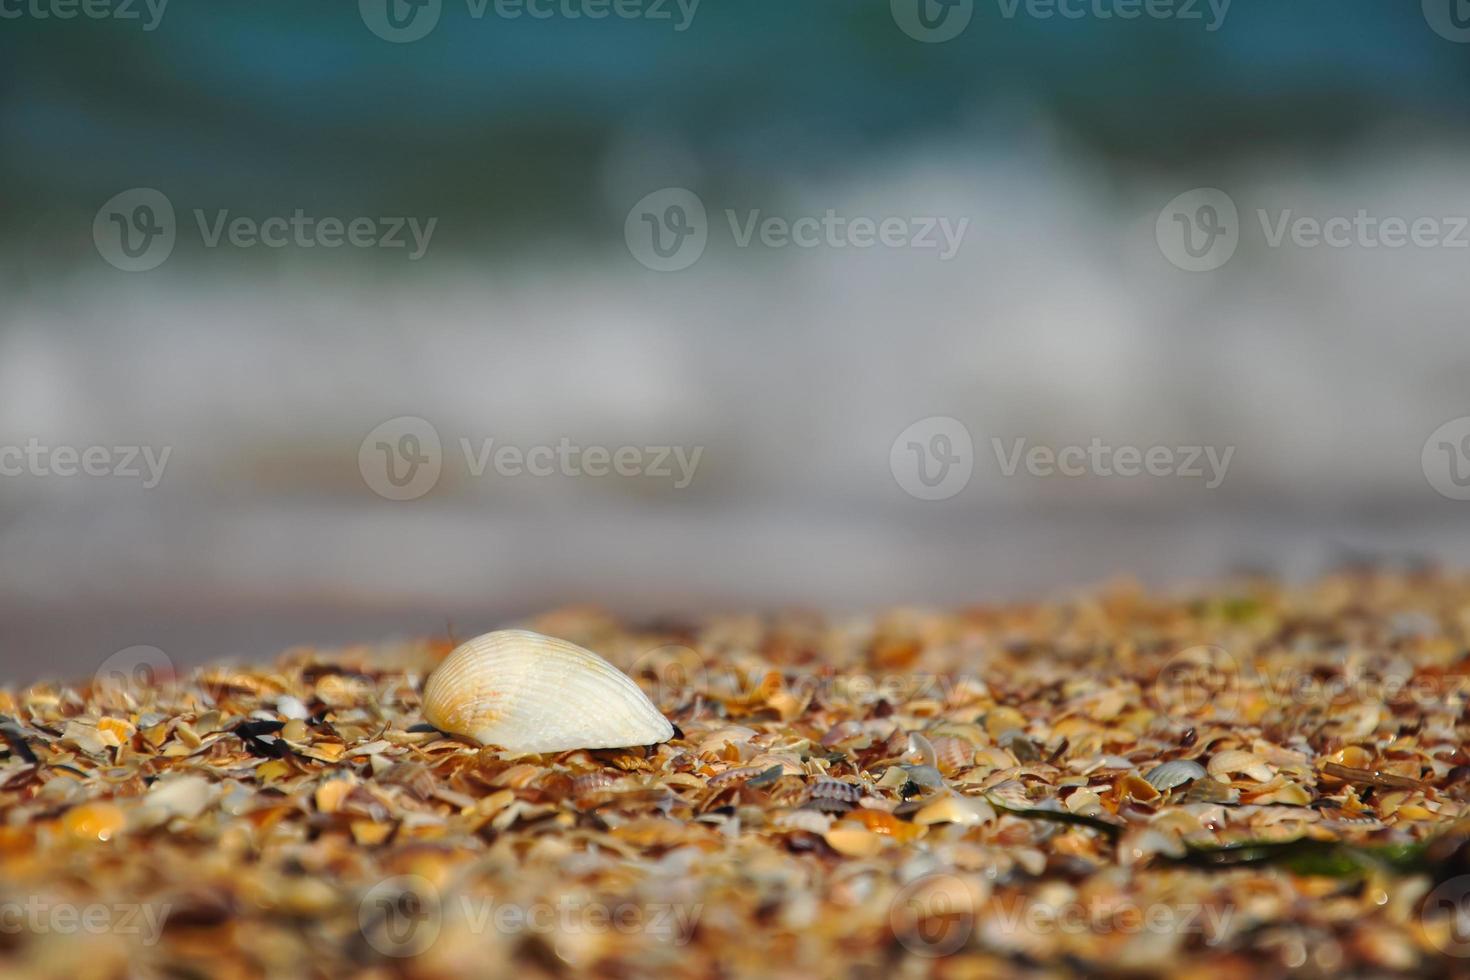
(529, 318)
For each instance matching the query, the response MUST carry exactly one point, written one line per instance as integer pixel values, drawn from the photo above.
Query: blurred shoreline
(441, 568)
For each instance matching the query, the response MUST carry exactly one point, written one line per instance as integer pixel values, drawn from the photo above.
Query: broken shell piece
(962, 810)
(531, 693)
(332, 793)
(1085, 802)
(833, 795)
(1145, 842)
(1023, 748)
(920, 746)
(735, 735)
(850, 840)
(86, 738)
(1176, 773)
(883, 824)
(1354, 756)
(1210, 791)
(1288, 793)
(809, 820)
(1245, 763)
(924, 777)
(952, 753)
(739, 774)
(1133, 786)
(174, 796)
(789, 765)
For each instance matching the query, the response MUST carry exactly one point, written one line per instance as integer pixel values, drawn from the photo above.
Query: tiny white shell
(531, 693)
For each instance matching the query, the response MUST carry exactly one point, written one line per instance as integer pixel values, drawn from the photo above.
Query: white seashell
(531, 693)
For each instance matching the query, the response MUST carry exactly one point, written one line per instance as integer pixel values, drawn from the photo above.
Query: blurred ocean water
(1059, 321)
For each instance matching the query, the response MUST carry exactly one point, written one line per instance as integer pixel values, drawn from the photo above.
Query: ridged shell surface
(532, 693)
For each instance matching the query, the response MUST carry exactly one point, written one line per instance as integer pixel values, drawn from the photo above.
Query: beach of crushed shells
(1242, 781)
